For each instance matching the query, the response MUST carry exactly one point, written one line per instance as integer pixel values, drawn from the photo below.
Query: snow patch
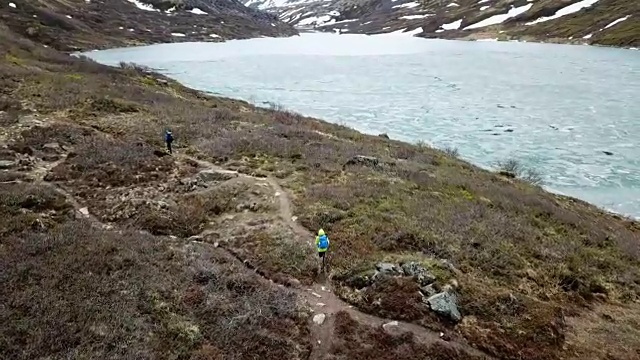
(570, 9)
(214, 35)
(588, 36)
(453, 5)
(197, 11)
(484, 8)
(12, 5)
(315, 20)
(452, 25)
(413, 17)
(142, 6)
(169, 11)
(614, 23)
(500, 18)
(178, 34)
(487, 40)
(408, 5)
(69, 17)
(482, 1)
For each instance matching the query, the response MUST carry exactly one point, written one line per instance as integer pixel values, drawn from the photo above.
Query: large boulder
(445, 304)
(419, 273)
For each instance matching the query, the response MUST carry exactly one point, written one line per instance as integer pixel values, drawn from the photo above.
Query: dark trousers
(169, 147)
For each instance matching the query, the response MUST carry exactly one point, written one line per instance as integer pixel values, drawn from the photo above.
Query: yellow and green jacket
(322, 241)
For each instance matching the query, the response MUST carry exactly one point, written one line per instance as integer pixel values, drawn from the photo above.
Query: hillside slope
(110, 248)
(71, 25)
(605, 22)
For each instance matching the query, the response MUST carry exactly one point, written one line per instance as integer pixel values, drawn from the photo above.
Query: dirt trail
(320, 297)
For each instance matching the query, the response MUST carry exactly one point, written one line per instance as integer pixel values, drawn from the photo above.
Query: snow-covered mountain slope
(108, 23)
(607, 22)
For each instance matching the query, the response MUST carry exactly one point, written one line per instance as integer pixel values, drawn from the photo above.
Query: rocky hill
(112, 248)
(95, 24)
(606, 22)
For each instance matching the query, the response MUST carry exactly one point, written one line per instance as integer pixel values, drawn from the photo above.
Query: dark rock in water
(501, 106)
(384, 135)
(362, 160)
(422, 275)
(509, 130)
(608, 153)
(494, 134)
(553, 127)
(499, 126)
(508, 174)
(445, 304)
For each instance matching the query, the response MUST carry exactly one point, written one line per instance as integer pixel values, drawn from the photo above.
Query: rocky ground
(72, 25)
(207, 253)
(603, 22)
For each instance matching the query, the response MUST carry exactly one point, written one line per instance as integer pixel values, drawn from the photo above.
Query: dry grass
(356, 341)
(524, 257)
(78, 292)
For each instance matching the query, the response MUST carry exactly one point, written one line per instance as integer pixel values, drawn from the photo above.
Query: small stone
(277, 193)
(84, 211)
(319, 342)
(428, 290)
(319, 318)
(294, 218)
(51, 146)
(320, 304)
(316, 295)
(216, 244)
(387, 327)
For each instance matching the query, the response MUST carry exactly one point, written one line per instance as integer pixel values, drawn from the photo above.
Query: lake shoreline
(342, 46)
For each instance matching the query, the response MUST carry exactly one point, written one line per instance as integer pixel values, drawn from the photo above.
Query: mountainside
(94, 24)
(113, 248)
(606, 22)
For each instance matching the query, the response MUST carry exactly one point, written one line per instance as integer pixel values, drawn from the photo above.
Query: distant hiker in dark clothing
(322, 243)
(168, 138)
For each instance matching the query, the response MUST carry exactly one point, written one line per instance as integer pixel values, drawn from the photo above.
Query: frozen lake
(560, 109)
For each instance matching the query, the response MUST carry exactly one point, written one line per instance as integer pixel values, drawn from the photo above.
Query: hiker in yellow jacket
(322, 243)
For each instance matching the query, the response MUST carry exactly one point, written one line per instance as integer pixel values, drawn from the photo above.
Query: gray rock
(428, 290)
(7, 164)
(212, 175)
(319, 319)
(445, 304)
(362, 160)
(54, 146)
(419, 272)
(389, 269)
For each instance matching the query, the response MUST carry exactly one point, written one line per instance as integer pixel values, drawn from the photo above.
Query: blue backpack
(323, 243)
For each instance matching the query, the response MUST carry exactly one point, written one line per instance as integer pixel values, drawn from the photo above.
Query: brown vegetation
(524, 260)
(360, 342)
